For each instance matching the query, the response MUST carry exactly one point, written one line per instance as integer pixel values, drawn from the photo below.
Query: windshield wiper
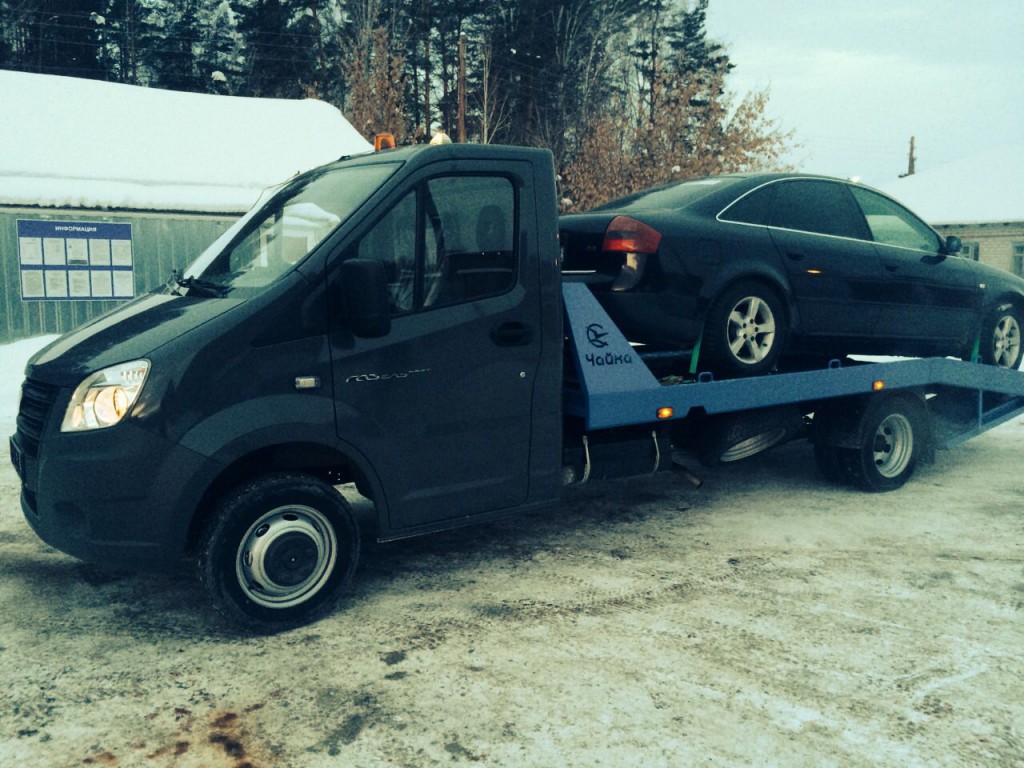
(195, 285)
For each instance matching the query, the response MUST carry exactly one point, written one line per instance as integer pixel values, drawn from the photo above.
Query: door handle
(512, 334)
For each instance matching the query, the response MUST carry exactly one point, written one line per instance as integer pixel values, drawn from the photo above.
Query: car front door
(441, 405)
(932, 299)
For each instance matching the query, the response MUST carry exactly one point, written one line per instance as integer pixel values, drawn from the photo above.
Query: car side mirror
(365, 301)
(952, 245)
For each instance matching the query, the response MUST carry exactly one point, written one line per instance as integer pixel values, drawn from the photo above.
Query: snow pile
(72, 143)
(987, 188)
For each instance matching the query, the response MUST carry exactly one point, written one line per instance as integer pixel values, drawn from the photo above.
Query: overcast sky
(855, 79)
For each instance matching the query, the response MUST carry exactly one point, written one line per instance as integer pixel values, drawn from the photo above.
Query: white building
(106, 188)
(980, 199)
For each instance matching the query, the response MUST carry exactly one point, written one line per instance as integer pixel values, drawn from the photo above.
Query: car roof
(707, 192)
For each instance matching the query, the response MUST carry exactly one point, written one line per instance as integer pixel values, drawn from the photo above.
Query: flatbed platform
(614, 387)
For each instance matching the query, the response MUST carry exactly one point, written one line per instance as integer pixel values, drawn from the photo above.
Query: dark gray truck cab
(392, 320)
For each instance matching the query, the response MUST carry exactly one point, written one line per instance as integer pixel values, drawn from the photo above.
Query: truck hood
(129, 332)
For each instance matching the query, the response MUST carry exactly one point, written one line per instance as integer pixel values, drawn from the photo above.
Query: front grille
(37, 401)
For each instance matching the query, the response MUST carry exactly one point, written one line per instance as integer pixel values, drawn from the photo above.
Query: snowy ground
(764, 619)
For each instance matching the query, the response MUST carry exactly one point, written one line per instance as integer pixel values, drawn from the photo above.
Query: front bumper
(121, 496)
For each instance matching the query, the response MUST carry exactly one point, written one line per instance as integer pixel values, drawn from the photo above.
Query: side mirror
(952, 245)
(365, 302)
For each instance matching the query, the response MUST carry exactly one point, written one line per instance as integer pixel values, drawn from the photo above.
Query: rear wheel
(279, 552)
(890, 437)
(745, 330)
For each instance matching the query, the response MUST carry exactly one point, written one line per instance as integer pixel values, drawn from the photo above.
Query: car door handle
(512, 334)
(795, 256)
(892, 267)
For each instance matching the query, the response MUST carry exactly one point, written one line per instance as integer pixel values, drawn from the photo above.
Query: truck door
(441, 406)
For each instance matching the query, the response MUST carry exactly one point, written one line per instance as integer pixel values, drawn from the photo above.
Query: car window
(819, 206)
(753, 208)
(448, 241)
(668, 196)
(892, 224)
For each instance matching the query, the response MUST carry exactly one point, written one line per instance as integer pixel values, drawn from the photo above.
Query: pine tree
(282, 44)
(219, 55)
(57, 37)
(168, 33)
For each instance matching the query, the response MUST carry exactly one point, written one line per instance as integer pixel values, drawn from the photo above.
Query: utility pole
(910, 161)
(461, 126)
(426, 85)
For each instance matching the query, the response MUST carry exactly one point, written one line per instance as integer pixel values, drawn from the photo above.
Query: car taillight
(627, 235)
(635, 240)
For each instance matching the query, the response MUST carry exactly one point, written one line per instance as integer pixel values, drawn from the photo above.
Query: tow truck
(398, 321)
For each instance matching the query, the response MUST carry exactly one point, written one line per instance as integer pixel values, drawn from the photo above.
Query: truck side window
(475, 255)
(393, 242)
(449, 241)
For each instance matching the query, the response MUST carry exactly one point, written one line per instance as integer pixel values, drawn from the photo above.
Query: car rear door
(834, 272)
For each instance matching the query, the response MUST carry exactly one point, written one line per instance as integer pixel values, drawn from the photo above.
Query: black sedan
(750, 267)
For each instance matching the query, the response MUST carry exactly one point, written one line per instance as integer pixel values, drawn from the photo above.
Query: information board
(75, 260)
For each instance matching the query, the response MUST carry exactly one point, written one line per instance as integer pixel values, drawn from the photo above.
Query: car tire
(745, 330)
(1001, 337)
(278, 552)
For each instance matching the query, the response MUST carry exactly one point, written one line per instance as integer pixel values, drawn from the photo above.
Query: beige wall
(996, 241)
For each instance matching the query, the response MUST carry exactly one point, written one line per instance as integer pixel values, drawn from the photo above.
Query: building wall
(161, 243)
(999, 245)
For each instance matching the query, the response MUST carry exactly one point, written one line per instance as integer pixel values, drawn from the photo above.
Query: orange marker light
(666, 413)
(878, 386)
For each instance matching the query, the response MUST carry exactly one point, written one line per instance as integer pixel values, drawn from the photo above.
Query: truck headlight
(105, 397)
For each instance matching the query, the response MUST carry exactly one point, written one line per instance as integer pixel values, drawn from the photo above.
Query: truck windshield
(284, 228)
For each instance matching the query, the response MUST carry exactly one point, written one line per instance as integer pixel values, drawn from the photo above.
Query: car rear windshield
(677, 195)
(279, 233)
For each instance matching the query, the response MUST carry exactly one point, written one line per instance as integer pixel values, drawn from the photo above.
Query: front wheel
(279, 552)
(745, 330)
(1000, 337)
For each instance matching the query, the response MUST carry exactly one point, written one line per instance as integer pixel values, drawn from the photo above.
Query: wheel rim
(286, 556)
(893, 445)
(753, 445)
(751, 330)
(1006, 342)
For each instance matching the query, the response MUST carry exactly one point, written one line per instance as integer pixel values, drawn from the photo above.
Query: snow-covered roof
(72, 143)
(986, 188)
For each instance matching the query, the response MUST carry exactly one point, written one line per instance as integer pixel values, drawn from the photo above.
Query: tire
(745, 330)
(893, 437)
(830, 463)
(1001, 337)
(278, 552)
(735, 436)
(833, 425)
